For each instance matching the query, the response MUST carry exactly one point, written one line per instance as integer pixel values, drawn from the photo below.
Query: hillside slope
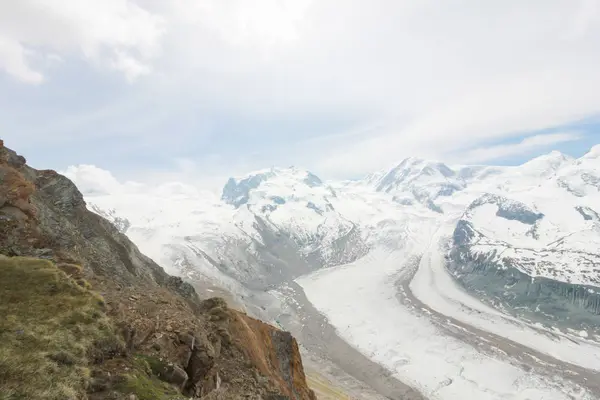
(164, 342)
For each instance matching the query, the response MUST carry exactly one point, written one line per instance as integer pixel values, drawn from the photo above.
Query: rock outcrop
(167, 336)
(543, 283)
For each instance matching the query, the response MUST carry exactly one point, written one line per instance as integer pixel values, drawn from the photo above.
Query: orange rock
(275, 353)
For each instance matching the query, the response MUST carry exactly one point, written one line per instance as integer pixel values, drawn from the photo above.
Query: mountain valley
(507, 251)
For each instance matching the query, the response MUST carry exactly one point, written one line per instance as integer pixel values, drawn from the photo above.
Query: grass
(143, 382)
(157, 367)
(49, 328)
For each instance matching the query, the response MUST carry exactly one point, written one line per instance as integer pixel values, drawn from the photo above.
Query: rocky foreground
(87, 316)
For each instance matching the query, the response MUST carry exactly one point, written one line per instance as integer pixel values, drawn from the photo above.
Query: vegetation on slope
(50, 331)
(55, 331)
(149, 337)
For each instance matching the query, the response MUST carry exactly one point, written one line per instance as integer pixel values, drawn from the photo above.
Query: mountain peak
(593, 153)
(238, 191)
(411, 161)
(545, 164)
(554, 155)
(411, 170)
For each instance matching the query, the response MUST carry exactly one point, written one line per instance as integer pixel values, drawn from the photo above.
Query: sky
(199, 90)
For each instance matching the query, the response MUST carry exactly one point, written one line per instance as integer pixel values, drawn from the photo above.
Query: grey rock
(176, 376)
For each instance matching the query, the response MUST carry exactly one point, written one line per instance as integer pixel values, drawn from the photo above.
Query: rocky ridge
(164, 332)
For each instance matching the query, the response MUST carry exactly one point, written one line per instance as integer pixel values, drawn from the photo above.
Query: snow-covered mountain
(295, 204)
(422, 181)
(534, 245)
(267, 227)
(525, 237)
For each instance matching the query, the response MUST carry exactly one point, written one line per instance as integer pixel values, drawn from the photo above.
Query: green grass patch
(157, 367)
(49, 329)
(143, 382)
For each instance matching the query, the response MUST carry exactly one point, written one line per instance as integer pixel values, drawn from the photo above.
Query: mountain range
(376, 277)
(524, 238)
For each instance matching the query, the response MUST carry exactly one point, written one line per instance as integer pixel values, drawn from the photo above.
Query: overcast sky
(202, 89)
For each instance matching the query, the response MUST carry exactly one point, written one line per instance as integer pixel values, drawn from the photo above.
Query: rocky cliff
(134, 331)
(544, 283)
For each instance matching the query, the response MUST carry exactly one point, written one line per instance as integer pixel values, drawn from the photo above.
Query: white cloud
(585, 17)
(116, 33)
(528, 144)
(493, 110)
(425, 78)
(262, 23)
(93, 180)
(14, 61)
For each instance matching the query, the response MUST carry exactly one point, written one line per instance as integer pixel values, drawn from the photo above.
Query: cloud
(94, 181)
(585, 17)
(91, 180)
(528, 144)
(13, 60)
(118, 34)
(423, 78)
(500, 109)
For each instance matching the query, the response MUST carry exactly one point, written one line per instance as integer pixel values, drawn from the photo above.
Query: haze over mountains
(523, 240)
(427, 244)
(294, 222)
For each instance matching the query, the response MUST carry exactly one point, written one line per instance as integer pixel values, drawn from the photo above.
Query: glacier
(462, 281)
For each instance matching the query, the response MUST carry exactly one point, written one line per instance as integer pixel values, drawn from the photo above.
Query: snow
(317, 214)
(529, 215)
(294, 201)
(561, 245)
(434, 287)
(367, 314)
(544, 166)
(593, 153)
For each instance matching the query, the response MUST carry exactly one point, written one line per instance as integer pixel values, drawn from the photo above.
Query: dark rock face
(278, 200)
(509, 209)
(176, 376)
(282, 342)
(201, 363)
(500, 280)
(463, 233)
(237, 193)
(503, 285)
(192, 345)
(542, 299)
(314, 207)
(591, 180)
(587, 213)
(63, 224)
(434, 207)
(524, 216)
(312, 180)
(448, 190)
